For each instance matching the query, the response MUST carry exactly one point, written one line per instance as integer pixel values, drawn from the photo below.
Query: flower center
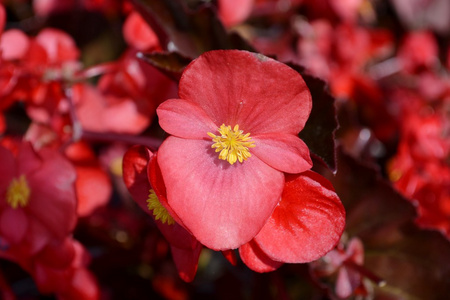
(159, 211)
(232, 144)
(18, 192)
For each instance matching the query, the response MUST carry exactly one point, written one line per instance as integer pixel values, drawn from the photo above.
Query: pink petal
(344, 286)
(185, 119)
(222, 205)
(284, 152)
(186, 261)
(14, 44)
(232, 12)
(138, 34)
(13, 225)
(28, 160)
(58, 45)
(306, 224)
(255, 258)
(238, 87)
(52, 201)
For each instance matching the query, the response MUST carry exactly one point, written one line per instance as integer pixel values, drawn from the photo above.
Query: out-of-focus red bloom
(347, 264)
(143, 179)
(418, 51)
(38, 202)
(48, 7)
(232, 12)
(34, 69)
(307, 223)
(59, 268)
(233, 134)
(125, 99)
(72, 282)
(138, 34)
(93, 184)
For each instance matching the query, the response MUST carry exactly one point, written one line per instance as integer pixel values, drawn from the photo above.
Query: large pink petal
(185, 119)
(239, 87)
(28, 159)
(306, 224)
(255, 258)
(186, 261)
(284, 152)
(52, 200)
(222, 205)
(13, 225)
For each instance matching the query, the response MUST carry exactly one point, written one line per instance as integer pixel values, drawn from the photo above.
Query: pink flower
(233, 135)
(37, 198)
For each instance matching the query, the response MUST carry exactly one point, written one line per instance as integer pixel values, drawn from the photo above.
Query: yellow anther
(18, 193)
(159, 211)
(233, 145)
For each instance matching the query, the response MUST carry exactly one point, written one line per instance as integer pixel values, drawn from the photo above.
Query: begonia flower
(306, 224)
(347, 263)
(233, 135)
(143, 179)
(34, 210)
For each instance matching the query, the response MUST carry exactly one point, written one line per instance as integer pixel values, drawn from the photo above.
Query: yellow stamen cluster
(159, 211)
(18, 193)
(232, 144)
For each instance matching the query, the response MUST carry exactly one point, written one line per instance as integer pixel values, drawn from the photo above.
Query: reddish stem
(364, 272)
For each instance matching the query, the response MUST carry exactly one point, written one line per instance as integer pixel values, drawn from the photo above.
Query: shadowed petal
(255, 258)
(186, 261)
(306, 224)
(284, 152)
(222, 205)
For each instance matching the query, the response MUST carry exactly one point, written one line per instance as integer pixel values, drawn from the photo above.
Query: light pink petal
(59, 46)
(284, 152)
(232, 12)
(306, 224)
(222, 205)
(185, 119)
(138, 34)
(255, 258)
(93, 187)
(14, 44)
(343, 284)
(106, 112)
(238, 87)
(186, 261)
(13, 225)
